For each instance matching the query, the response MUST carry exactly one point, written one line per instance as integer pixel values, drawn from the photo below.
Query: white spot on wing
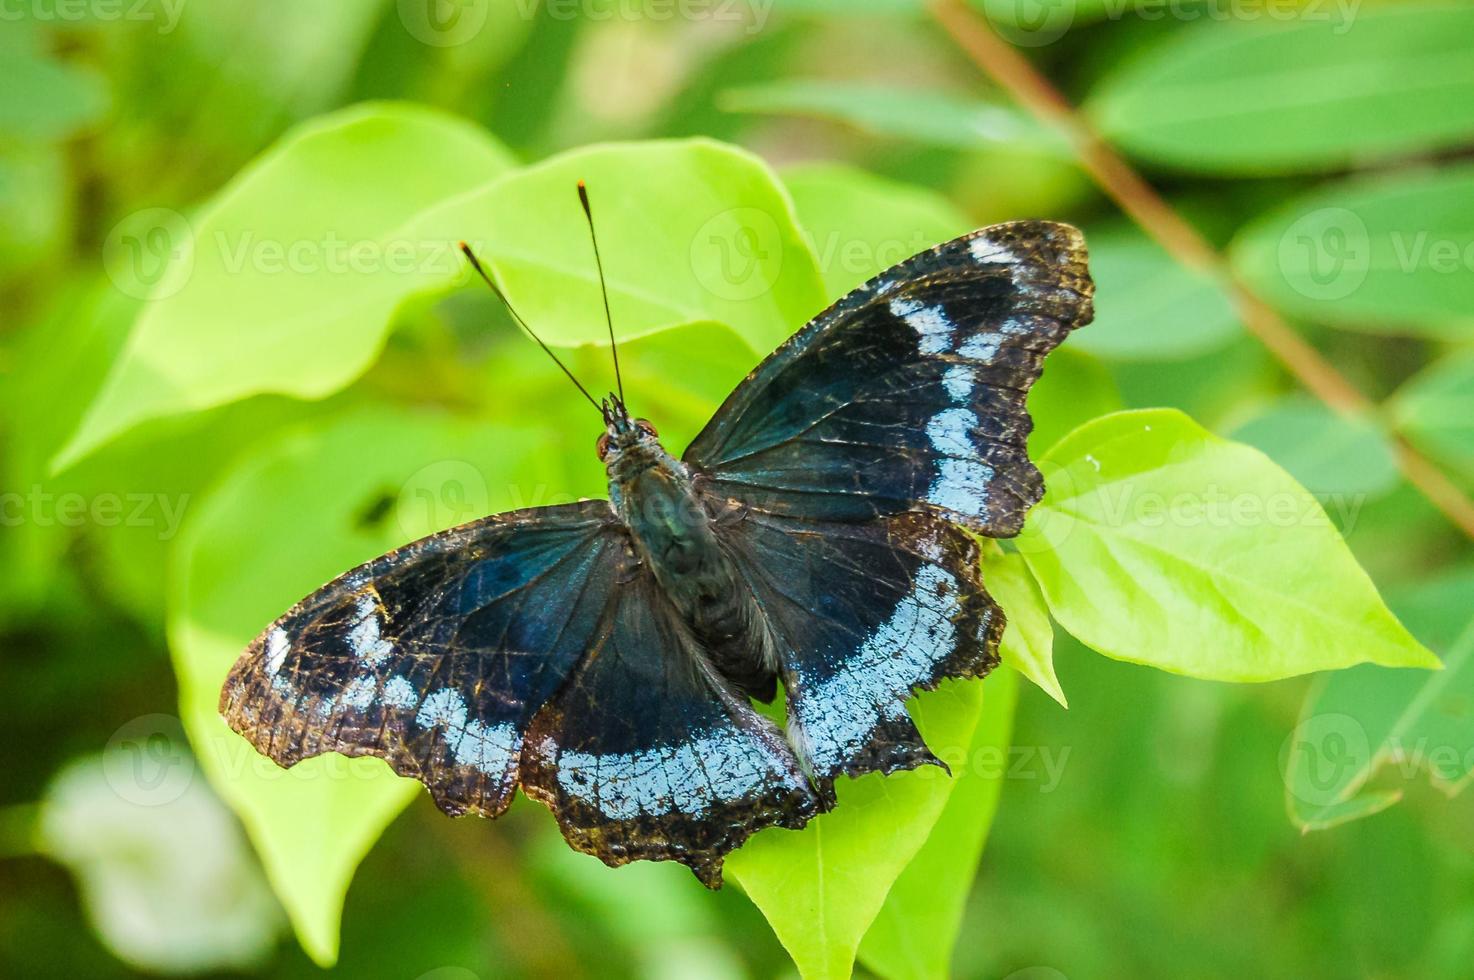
(985, 250)
(961, 485)
(834, 716)
(958, 381)
(365, 637)
(949, 431)
(982, 347)
(399, 693)
(277, 646)
(360, 692)
(929, 322)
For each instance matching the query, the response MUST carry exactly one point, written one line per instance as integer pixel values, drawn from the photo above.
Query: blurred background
(1163, 847)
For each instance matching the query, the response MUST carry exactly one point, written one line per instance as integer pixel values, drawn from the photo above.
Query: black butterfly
(818, 533)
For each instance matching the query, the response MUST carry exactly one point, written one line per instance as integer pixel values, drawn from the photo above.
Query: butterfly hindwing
(909, 393)
(648, 752)
(862, 615)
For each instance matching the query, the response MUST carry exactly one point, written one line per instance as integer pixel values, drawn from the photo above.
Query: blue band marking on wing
(360, 692)
(487, 748)
(399, 693)
(949, 432)
(959, 383)
(929, 322)
(687, 778)
(961, 485)
(845, 707)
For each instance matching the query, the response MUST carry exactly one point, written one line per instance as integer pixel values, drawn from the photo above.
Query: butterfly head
(622, 433)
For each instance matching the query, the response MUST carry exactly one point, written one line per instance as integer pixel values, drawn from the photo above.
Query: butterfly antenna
(476, 264)
(583, 198)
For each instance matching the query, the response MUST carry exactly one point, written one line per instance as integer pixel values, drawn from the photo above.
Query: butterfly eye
(645, 426)
(603, 448)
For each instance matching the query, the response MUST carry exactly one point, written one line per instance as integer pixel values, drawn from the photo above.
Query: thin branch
(1141, 202)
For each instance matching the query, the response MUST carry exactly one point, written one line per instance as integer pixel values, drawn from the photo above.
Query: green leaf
(822, 887)
(287, 282)
(1326, 452)
(1435, 410)
(1160, 543)
(1073, 389)
(1149, 306)
(885, 110)
(1389, 254)
(278, 527)
(44, 99)
(690, 231)
(1322, 93)
(1361, 721)
(1028, 639)
(917, 927)
(858, 225)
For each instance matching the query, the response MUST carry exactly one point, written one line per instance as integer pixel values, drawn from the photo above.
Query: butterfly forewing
(909, 393)
(435, 656)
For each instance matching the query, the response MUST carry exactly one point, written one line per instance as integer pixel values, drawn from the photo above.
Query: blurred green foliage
(240, 419)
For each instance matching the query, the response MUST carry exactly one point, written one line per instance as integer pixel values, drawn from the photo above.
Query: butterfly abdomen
(673, 533)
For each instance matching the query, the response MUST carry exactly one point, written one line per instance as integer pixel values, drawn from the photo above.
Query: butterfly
(819, 534)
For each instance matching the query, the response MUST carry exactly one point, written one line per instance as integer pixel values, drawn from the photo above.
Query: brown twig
(1141, 202)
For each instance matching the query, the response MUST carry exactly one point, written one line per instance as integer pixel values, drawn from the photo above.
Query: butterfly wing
(862, 614)
(648, 753)
(909, 393)
(435, 656)
(525, 648)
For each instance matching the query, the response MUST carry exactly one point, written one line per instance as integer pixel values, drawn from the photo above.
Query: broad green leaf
(1149, 306)
(1435, 410)
(858, 225)
(821, 887)
(1358, 722)
(1028, 640)
(281, 525)
(1162, 544)
(885, 110)
(1327, 453)
(287, 282)
(918, 925)
(1328, 91)
(1390, 254)
(691, 231)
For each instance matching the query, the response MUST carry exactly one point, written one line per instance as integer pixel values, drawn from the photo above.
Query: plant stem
(1141, 202)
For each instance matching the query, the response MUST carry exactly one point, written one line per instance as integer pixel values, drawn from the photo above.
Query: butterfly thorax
(672, 532)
